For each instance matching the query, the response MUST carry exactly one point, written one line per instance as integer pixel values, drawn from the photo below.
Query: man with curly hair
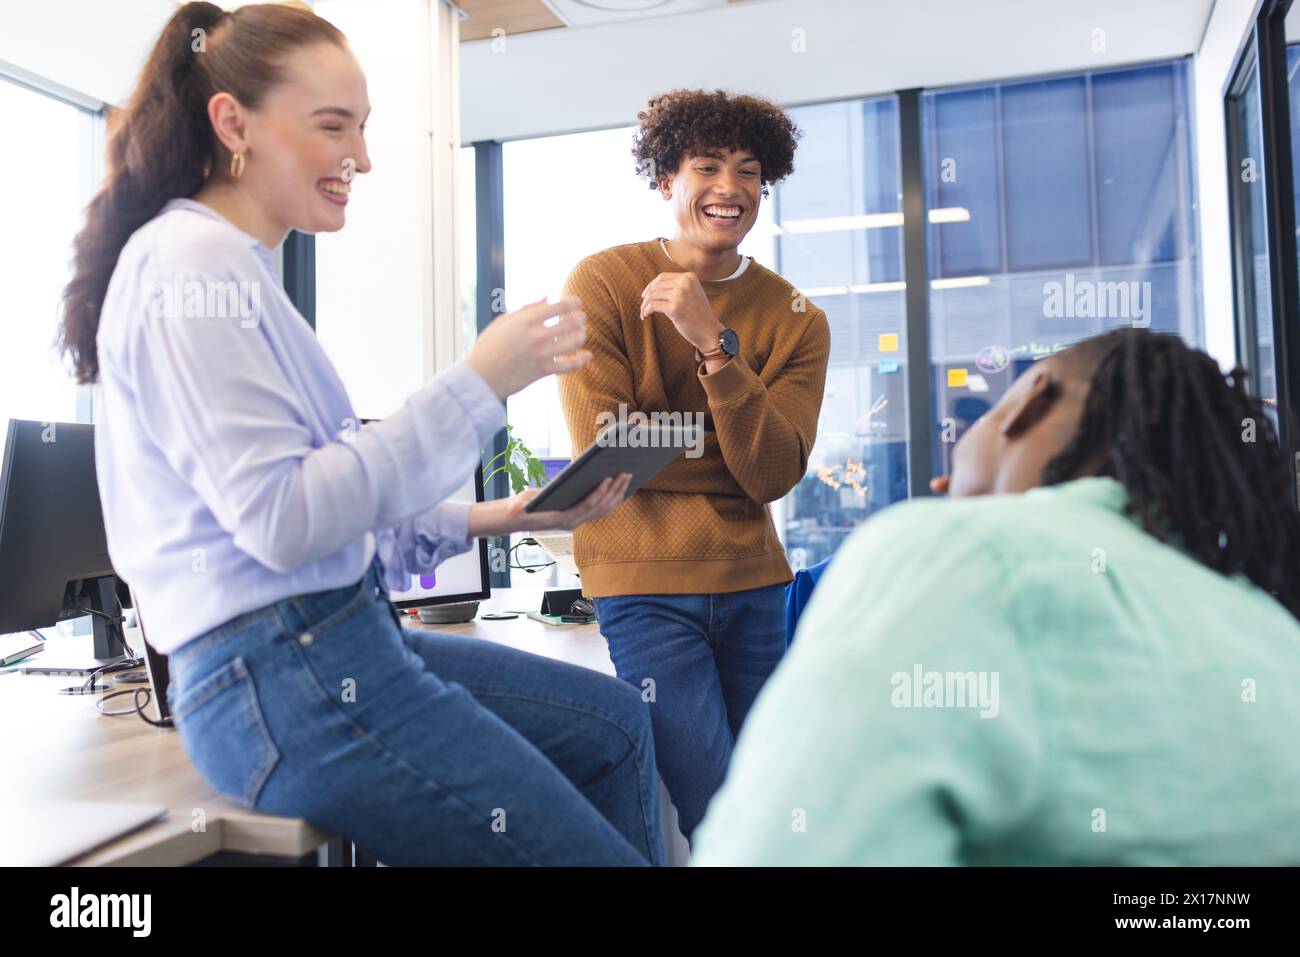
(688, 574)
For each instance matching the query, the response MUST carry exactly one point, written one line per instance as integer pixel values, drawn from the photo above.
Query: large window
(1056, 209)
(49, 163)
(1069, 212)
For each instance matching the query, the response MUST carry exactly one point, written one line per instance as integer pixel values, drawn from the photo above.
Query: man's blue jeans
(700, 661)
(422, 748)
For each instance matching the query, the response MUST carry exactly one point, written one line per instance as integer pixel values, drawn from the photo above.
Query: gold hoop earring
(237, 166)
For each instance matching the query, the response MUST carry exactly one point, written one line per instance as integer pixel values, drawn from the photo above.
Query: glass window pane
(1140, 182)
(47, 158)
(1255, 299)
(840, 216)
(547, 233)
(1044, 132)
(964, 180)
(1108, 148)
(467, 250)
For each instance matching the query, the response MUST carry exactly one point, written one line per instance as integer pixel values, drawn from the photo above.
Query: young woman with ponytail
(261, 528)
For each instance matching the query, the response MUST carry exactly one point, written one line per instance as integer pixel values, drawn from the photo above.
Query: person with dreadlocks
(1090, 658)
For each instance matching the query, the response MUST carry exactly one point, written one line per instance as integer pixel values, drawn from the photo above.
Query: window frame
(1264, 57)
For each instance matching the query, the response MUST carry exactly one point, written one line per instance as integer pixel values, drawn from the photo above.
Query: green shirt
(1111, 701)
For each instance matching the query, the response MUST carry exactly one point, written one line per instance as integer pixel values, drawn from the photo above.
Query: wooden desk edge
(173, 842)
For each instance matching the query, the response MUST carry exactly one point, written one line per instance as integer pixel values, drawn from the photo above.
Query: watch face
(730, 342)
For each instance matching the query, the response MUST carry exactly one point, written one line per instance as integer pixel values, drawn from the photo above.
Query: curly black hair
(680, 123)
(1161, 418)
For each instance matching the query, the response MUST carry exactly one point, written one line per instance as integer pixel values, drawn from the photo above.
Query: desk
(66, 749)
(580, 645)
(73, 752)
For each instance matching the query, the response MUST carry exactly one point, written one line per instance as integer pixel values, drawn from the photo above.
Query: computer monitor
(462, 577)
(54, 562)
(553, 467)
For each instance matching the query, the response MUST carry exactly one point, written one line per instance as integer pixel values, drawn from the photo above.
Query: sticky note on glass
(889, 342)
(956, 378)
(888, 365)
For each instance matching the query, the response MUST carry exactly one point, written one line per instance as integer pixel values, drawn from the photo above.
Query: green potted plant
(524, 468)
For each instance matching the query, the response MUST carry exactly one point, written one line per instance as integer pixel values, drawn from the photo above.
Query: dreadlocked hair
(1199, 457)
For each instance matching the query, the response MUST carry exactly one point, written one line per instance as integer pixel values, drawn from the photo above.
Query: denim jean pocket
(324, 610)
(353, 651)
(225, 733)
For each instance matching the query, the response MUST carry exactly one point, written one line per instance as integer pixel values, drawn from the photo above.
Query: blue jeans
(422, 748)
(708, 657)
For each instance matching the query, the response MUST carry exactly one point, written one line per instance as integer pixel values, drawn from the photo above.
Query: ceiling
(481, 17)
(798, 52)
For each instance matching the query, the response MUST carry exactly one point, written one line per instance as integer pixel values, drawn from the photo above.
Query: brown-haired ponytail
(162, 146)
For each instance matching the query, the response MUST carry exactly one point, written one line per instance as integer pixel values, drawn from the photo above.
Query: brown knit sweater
(702, 525)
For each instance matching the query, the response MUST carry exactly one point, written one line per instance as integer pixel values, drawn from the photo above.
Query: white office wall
(89, 46)
(382, 279)
(1226, 35)
(566, 80)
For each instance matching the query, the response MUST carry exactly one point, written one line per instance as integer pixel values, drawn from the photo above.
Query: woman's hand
(503, 516)
(517, 349)
(939, 486)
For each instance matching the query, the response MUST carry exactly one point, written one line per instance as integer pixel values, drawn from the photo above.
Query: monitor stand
(102, 593)
(448, 614)
(106, 645)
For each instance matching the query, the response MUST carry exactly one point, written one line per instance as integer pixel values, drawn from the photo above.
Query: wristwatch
(728, 345)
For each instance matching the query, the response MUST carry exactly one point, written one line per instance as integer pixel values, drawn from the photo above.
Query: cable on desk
(137, 706)
(99, 704)
(139, 709)
(118, 621)
(530, 569)
(88, 686)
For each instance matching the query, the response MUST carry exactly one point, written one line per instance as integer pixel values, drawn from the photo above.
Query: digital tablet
(640, 449)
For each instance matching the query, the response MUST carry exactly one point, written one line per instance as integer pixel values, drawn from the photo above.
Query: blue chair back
(797, 594)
